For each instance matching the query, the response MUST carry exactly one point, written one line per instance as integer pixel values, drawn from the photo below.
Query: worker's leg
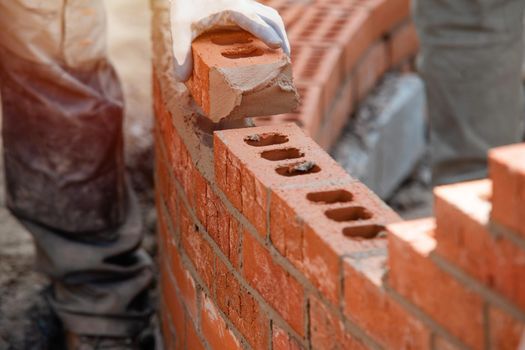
(62, 130)
(471, 57)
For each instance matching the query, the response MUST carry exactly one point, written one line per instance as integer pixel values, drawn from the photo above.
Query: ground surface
(25, 321)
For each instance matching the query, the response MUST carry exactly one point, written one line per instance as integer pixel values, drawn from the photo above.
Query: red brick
(340, 112)
(164, 182)
(370, 69)
(289, 10)
(169, 338)
(218, 222)
(416, 277)
(302, 231)
(441, 343)
(276, 286)
(219, 57)
(183, 278)
(346, 28)
(373, 310)
(506, 332)
(254, 177)
(199, 251)
(200, 185)
(464, 238)
(164, 234)
(174, 308)
(214, 328)
(241, 308)
(319, 66)
(384, 15)
(176, 156)
(254, 201)
(283, 341)
(338, 4)
(507, 172)
(193, 341)
(307, 116)
(327, 331)
(403, 44)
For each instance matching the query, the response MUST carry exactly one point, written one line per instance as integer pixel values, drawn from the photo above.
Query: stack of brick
(340, 49)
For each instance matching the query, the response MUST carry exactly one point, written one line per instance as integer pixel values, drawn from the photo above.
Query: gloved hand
(191, 18)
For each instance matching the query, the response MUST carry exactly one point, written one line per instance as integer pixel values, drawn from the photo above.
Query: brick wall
(340, 49)
(266, 243)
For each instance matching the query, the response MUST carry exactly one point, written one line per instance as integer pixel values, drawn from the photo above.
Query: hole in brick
(282, 154)
(242, 52)
(261, 140)
(231, 39)
(365, 232)
(296, 169)
(348, 214)
(330, 197)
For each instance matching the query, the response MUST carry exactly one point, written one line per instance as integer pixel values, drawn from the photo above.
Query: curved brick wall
(340, 49)
(266, 243)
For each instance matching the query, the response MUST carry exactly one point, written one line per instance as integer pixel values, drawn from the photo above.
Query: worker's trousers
(62, 132)
(471, 59)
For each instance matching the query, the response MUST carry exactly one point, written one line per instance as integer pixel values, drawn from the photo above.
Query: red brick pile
(340, 49)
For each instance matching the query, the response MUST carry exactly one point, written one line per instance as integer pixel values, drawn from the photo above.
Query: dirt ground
(25, 320)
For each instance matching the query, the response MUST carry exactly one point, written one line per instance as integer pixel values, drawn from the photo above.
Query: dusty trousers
(471, 57)
(62, 111)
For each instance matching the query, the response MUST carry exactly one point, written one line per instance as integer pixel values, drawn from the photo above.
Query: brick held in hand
(235, 75)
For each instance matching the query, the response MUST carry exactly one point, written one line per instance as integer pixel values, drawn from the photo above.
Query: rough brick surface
(367, 304)
(243, 167)
(307, 116)
(456, 307)
(507, 172)
(215, 329)
(319, 66)
(223, 60)
(464, 237)
(241, 307)
(276, 286)
(282, 341)
(328, 331)
(351, 218)
(505, 331)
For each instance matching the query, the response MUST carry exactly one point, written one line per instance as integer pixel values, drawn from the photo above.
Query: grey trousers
(63, 148)
(471, 58)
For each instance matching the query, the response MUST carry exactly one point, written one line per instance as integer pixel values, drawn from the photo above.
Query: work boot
(84, 342)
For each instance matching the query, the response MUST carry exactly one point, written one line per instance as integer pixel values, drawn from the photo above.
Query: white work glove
(191, 18)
